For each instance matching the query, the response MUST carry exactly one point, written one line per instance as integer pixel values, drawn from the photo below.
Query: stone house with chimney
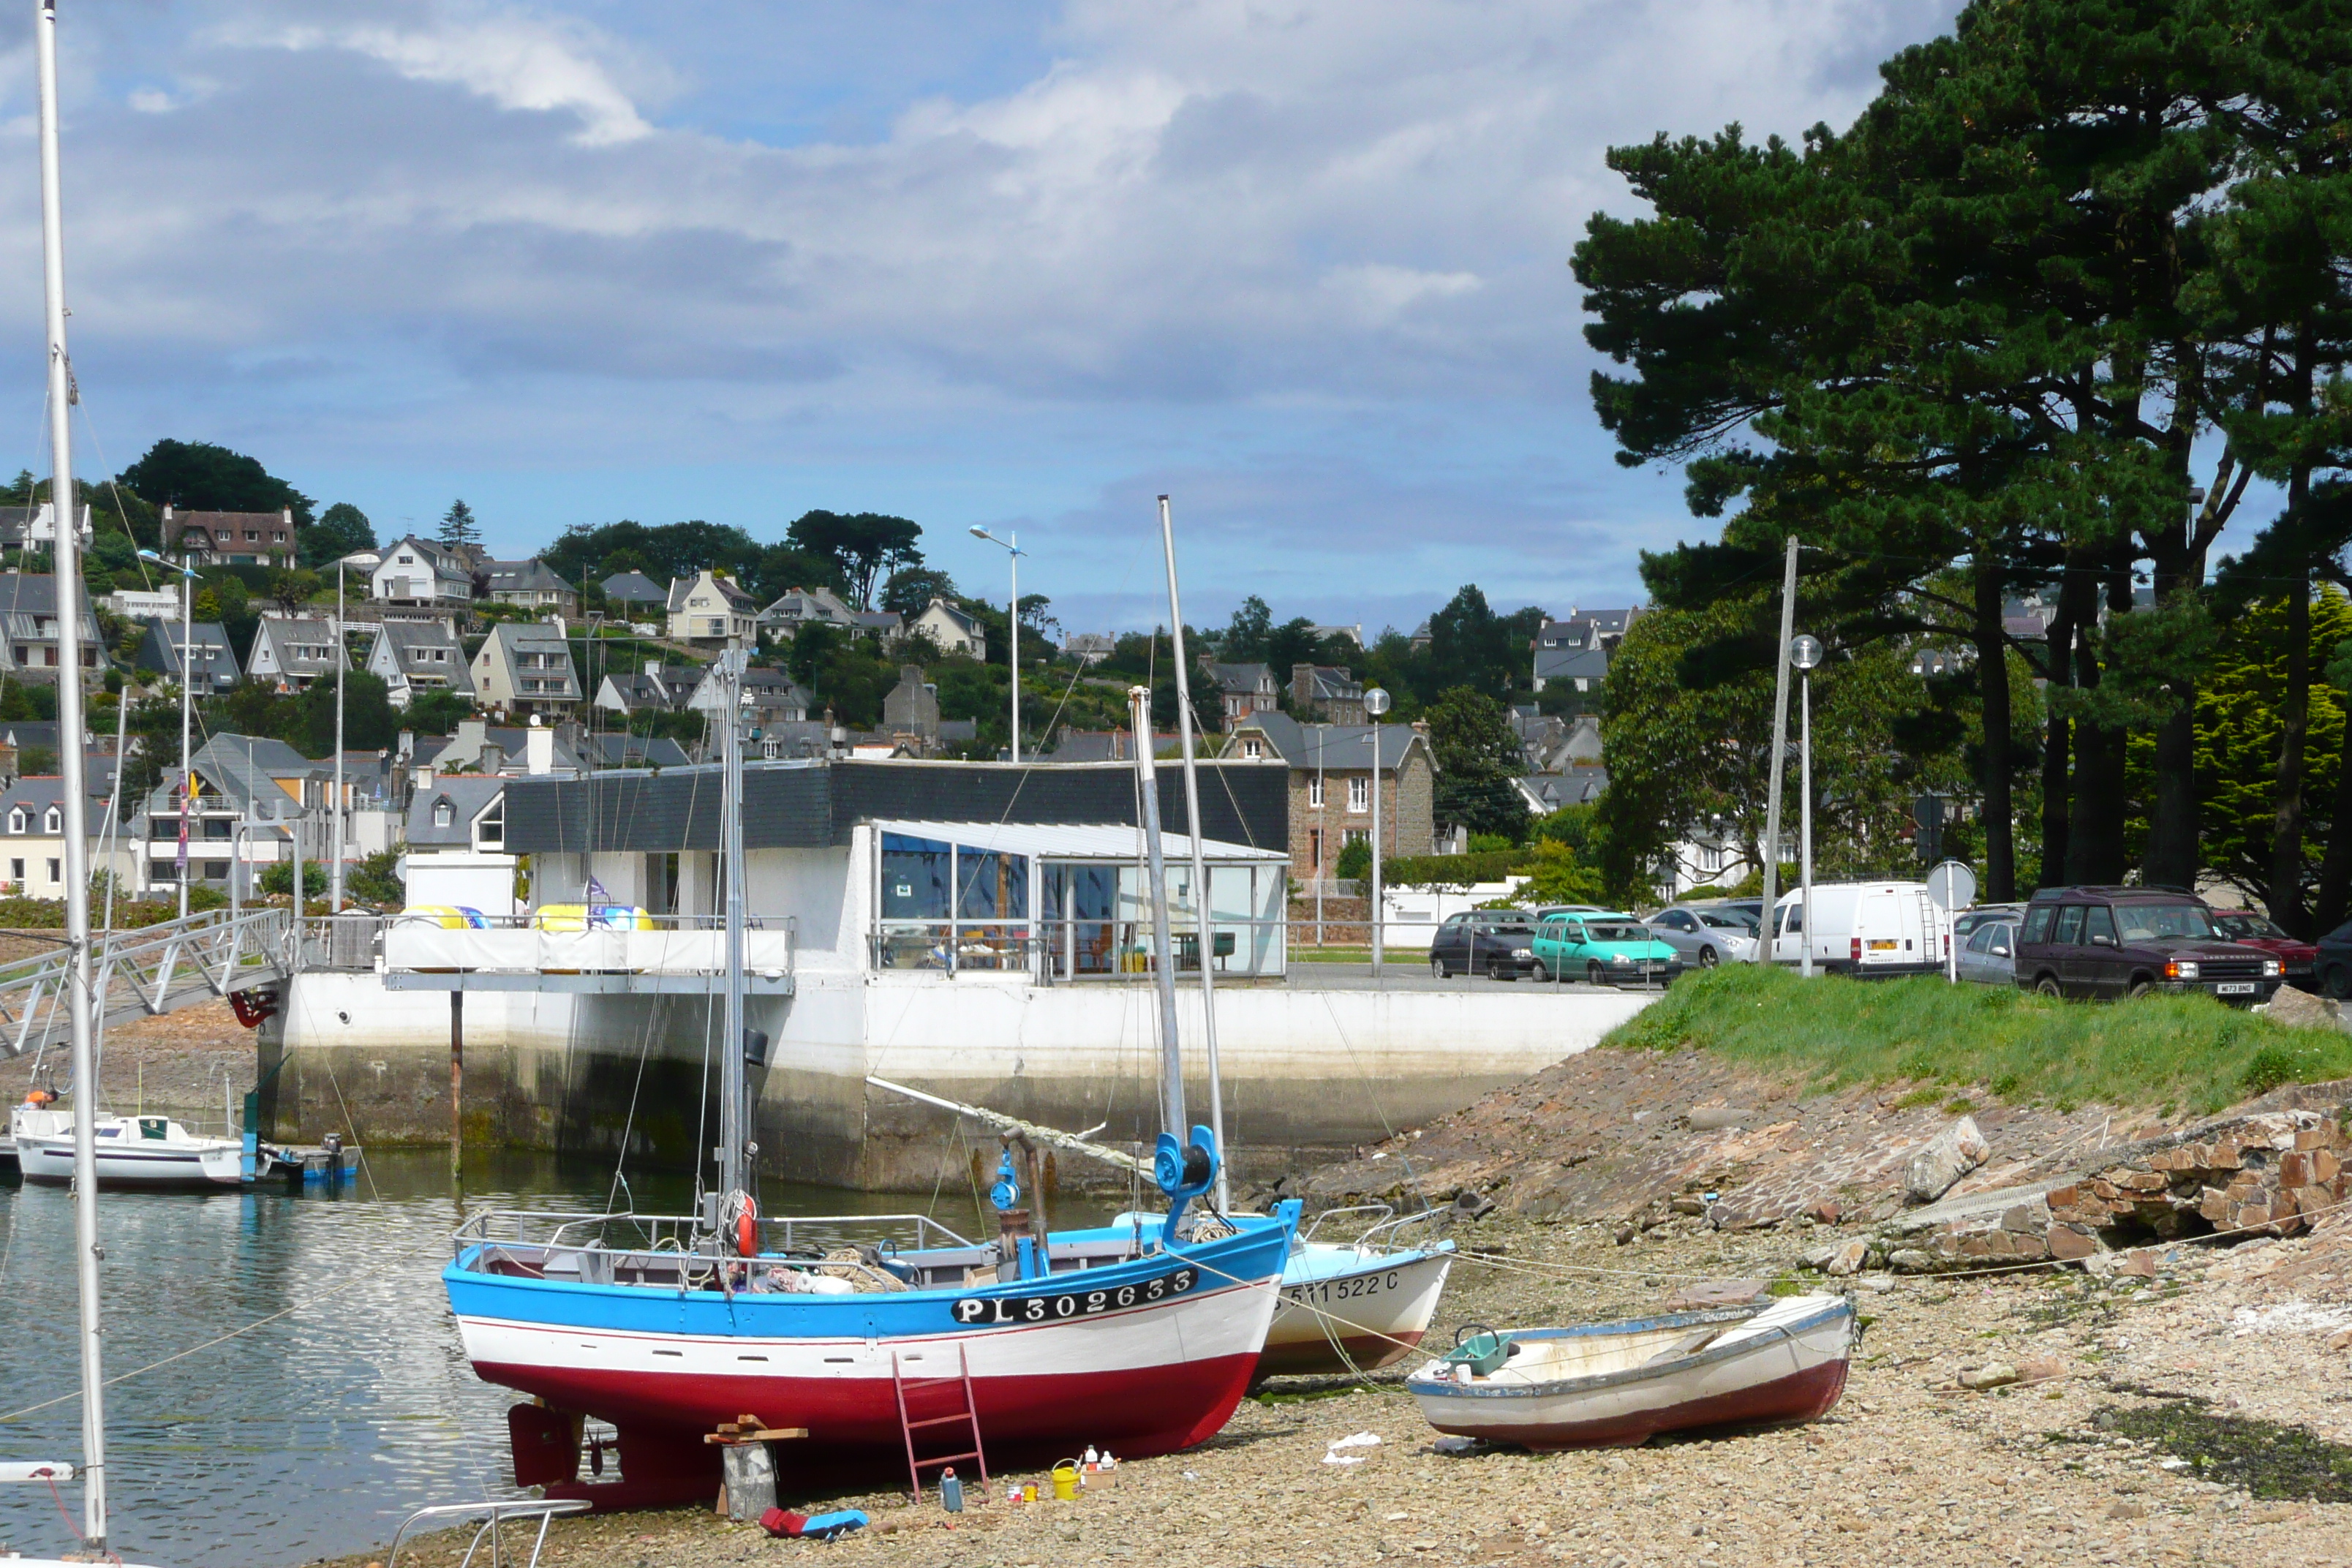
(1331, 786)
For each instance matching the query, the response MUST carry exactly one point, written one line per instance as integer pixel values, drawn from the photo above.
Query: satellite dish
(1951, 886)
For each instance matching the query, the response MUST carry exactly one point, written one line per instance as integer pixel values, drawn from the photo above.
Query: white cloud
(473, 232)
(515, 59)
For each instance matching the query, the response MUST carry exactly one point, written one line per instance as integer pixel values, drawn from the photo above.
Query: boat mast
(1200, 860)
(728, 675)
(72, 760)
(1164, 969)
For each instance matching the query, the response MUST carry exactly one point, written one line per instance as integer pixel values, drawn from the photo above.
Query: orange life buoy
(747, 1229)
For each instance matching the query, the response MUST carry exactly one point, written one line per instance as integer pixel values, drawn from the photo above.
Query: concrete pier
(1310, 1070)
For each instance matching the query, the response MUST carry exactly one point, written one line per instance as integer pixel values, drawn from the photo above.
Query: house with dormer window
(418, 574)
(707, 610)
(290, 652)
(230, 538)
(415, 657)
(525, 667)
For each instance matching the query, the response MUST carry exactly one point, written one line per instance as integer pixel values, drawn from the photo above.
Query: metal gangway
(140, 973)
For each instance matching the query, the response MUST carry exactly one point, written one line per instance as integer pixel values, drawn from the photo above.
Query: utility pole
(342, 664)
(1780, 750)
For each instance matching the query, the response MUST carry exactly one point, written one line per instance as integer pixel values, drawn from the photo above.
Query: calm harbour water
(313, 1435)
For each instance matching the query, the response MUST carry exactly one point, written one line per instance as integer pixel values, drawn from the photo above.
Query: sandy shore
(2092, 1457)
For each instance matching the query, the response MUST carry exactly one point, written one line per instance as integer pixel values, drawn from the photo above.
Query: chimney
(539, 747)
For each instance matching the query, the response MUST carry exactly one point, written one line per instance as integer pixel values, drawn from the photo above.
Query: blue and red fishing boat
(1138, 1337)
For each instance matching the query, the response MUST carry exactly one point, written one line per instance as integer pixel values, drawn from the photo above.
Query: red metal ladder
(970, 1416)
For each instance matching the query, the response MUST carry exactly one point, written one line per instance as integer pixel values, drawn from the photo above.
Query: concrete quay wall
(1307, 1072)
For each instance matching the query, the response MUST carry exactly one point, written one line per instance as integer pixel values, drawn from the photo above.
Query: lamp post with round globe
(1805, 654)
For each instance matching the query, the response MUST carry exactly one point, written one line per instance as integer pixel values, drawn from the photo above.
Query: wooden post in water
(456, 1085)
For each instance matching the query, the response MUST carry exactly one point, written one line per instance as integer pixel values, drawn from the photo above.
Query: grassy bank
(2185, 1053)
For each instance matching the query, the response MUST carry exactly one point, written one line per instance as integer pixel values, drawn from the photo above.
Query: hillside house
(292, 652)
(231, 538)
(951, 629)
(1326, 694)
(707, 610)
(532, 584)
(525, 667)
(415, 657)
(28, 627)
(1242, 688)
(1330, 785)
(211, 662)
(418, 574)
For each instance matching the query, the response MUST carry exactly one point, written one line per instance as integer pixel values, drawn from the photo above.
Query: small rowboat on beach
(1617, 1385)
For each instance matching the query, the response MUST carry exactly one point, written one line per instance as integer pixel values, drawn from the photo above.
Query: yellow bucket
(1066, 1481)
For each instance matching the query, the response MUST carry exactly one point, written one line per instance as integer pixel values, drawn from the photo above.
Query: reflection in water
(312, 1435)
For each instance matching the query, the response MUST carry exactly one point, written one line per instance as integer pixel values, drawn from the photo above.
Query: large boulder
(1950, 1154)
(2302, 1010)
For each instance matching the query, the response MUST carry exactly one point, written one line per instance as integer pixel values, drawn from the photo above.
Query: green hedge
(1453, 870)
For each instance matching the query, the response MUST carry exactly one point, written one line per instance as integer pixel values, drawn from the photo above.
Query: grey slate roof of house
(39, 792)
(209, 655)
(468, 796)
(1240, 678)
(406, 638)
(1329, 683)
(1577, 786)
(245, 768)
(27, 596)
(301, 632)
(635, 588)
(1335, 748)
(531, 576)
(1566, 663)
(802, 604)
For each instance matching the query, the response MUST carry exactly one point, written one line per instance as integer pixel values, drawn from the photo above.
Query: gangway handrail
(165, 966)
(454, 1513)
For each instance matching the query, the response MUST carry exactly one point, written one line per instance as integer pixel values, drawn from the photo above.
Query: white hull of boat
(1621, 1384)
(1347, 1308)
(130, 1153)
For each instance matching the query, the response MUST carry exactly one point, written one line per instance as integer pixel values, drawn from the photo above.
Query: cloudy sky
(1299, 263)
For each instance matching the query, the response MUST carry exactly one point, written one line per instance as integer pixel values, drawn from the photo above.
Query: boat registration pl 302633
(1066, 1304)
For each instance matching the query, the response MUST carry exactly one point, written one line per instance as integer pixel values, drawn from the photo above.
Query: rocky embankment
(176, 1064)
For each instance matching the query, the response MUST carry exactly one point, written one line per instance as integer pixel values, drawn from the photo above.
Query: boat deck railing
(1388, 1228)
(672, 1234)
(493, 1514)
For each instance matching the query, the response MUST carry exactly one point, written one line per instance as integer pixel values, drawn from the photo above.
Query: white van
(1865, 928)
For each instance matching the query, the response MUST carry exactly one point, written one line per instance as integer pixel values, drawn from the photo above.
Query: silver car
(1704, 936)
(1989, 954)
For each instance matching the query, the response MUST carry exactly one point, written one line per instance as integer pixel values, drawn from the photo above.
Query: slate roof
(635, 588)
(531, 576)
(468, 796)
(1338, 747)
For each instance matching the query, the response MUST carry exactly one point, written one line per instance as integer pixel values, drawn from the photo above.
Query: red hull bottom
(853, 1424)
(1315, 1357)
(1801, 1396)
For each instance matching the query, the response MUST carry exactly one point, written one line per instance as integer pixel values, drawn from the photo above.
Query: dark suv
(1494, 943)
(2129, 941)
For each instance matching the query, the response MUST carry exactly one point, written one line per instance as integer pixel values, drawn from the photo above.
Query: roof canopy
(1074, 840)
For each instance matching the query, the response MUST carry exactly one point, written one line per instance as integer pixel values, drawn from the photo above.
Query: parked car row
(2076, 941)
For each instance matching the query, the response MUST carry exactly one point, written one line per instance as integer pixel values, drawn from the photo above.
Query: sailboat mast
(72, 761)
(1200, 857)
(728, 673)
(1163, 967)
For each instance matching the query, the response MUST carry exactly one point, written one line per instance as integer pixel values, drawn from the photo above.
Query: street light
(1805, 654)
(1010, 546)
(1376, 702)
(187, 670)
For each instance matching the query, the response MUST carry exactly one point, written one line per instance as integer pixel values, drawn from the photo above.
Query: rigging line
(629, 1124)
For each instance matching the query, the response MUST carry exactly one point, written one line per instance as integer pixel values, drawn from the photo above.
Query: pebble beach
(2193, 1408)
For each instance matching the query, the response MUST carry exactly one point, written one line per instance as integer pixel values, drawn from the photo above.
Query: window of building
(490, 827)
(57, 872)
(1359, 794)
(1253, 749)
(1355, 835)
(444, 814)
(53, 819)
(1315, 849)
(17, 825)
(1315, 793)
(15, 870)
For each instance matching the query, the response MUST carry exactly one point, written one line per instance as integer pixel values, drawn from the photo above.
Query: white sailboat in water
(71, 763)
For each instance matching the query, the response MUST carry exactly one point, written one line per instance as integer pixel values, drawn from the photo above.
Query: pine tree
(459, 527)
